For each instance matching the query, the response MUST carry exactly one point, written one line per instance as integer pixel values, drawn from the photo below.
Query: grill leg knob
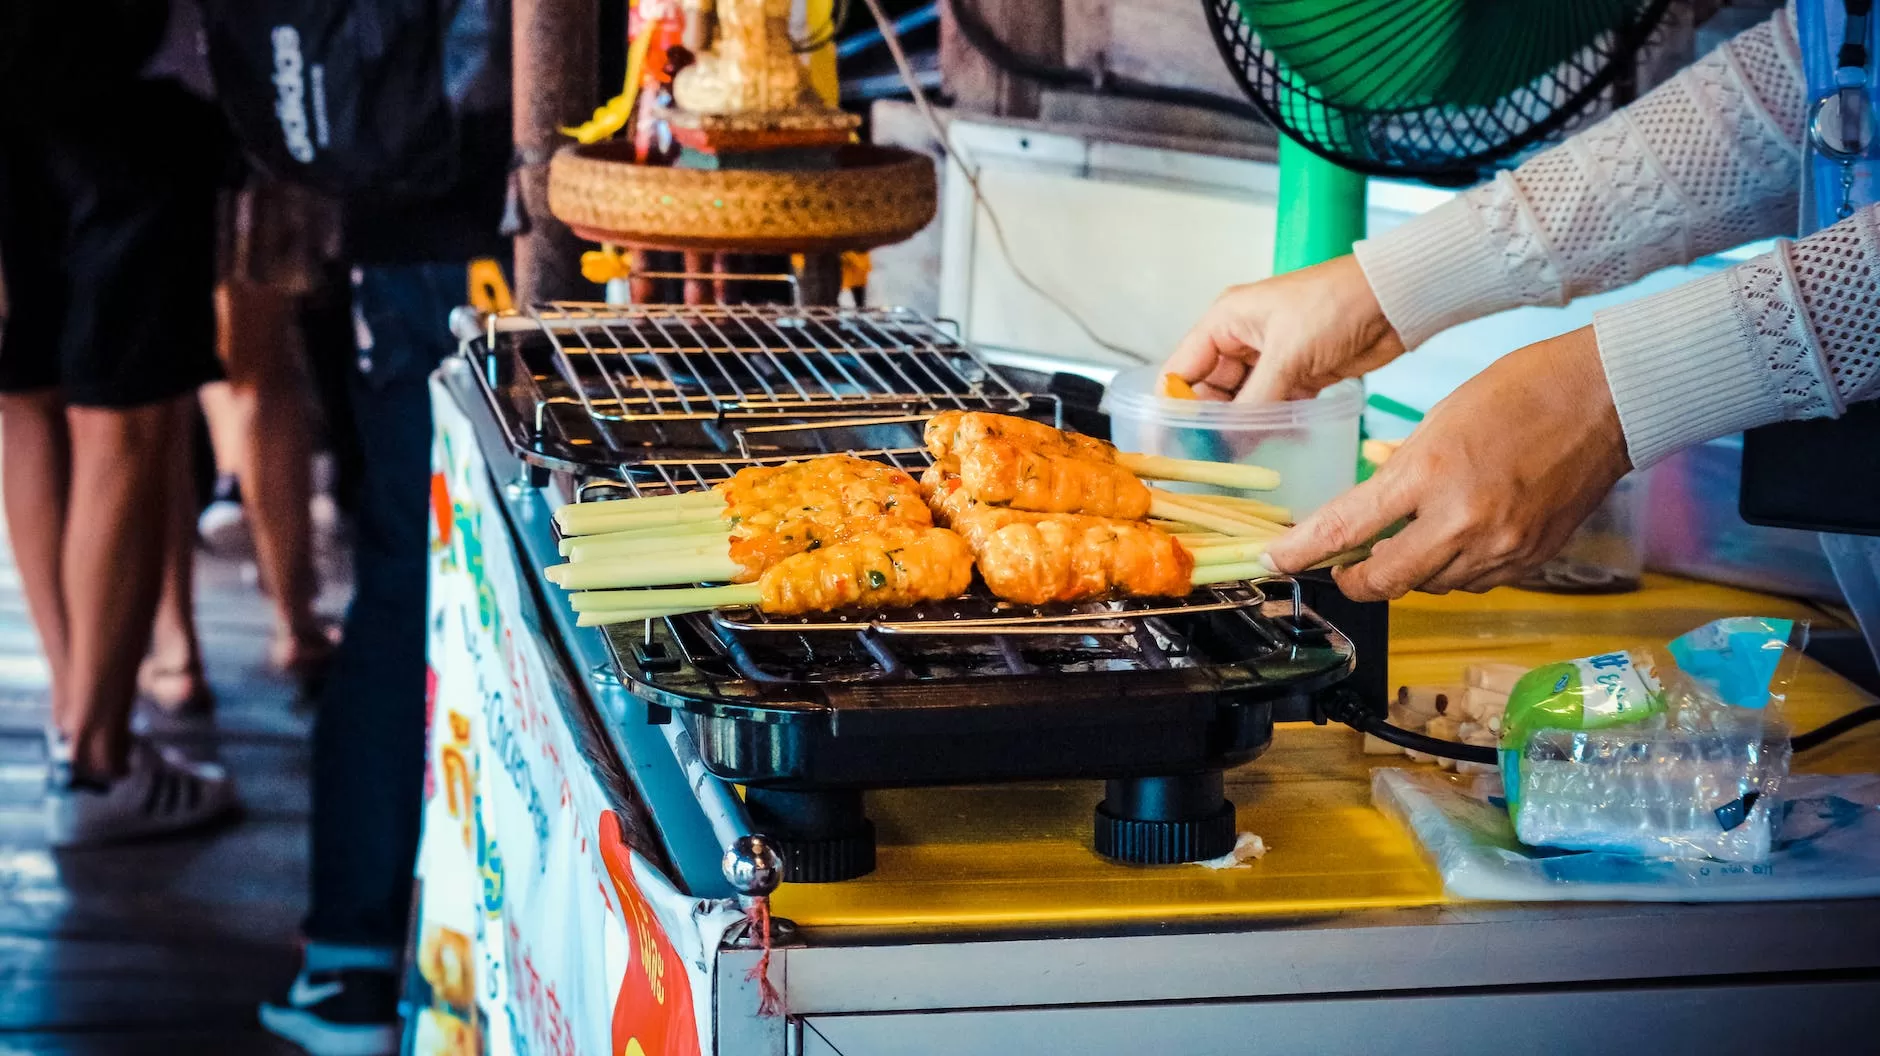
(823, 837)
(1165, 820)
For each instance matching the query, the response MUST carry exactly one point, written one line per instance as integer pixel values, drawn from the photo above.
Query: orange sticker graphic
(653, 1015)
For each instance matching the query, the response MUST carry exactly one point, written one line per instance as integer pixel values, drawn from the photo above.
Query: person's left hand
(1493, 481)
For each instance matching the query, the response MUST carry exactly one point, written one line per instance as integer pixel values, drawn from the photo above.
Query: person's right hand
(1287, 337)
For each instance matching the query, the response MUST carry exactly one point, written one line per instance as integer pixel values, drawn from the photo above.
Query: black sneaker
(345, 1013)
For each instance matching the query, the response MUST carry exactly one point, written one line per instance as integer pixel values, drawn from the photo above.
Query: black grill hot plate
(1157, 698)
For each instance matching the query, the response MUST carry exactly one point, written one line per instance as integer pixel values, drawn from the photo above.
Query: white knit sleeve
(1704, 162)
(1791, 334)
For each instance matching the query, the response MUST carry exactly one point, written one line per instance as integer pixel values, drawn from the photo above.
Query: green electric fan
(1434, 90)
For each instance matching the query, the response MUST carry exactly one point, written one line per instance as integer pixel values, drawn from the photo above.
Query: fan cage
(1447, 145)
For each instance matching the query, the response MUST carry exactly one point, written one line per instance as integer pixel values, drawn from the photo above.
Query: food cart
(587, 884)
(716, 834)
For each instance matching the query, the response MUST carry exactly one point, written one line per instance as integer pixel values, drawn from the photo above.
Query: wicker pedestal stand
(867, 196)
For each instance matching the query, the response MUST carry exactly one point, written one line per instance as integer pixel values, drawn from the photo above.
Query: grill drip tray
(1156, 698)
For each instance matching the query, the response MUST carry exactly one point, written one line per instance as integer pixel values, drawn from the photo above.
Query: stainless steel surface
(589, 387)
(1460, 947)
(1717, 1020)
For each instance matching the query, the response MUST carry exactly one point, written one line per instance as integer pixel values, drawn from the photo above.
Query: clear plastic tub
(1312, 443)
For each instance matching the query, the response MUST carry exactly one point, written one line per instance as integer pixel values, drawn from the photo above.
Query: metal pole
(556, 64)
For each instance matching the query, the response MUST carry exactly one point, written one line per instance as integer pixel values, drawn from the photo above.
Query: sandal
(158, 688)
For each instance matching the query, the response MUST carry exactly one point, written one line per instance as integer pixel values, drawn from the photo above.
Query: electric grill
(1157, 697)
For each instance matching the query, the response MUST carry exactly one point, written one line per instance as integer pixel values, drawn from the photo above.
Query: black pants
(368, 738)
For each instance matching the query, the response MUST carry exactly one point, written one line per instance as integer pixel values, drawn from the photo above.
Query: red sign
(653, 1015)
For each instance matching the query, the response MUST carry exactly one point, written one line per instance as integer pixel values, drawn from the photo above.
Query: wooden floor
(162, 947)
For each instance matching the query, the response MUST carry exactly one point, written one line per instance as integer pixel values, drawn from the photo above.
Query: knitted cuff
(1683, 368)
(1435, 271)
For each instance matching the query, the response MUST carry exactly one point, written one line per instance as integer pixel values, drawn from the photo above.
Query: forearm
(1706, 161)
(1791, 334)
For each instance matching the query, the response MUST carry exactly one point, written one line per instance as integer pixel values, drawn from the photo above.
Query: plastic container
(1606, 554)
(1312, 443)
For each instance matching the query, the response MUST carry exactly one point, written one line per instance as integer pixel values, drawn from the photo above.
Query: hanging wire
(893, 40)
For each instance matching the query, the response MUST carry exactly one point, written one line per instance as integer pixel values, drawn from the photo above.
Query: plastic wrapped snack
(1672, 753)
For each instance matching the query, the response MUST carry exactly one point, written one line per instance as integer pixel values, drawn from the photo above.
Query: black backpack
(358, 97)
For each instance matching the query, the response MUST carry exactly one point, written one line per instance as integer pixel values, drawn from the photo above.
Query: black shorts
(107, 249)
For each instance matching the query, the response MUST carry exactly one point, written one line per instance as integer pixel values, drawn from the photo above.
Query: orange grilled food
(998, 472)
(891, 567)
(799, 507)
(1035, 558)
(951, 433)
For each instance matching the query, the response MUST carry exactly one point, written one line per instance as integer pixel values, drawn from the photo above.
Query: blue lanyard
(1842, 149)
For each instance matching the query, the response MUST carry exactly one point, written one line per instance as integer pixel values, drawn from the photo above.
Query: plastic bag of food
(1669, 752)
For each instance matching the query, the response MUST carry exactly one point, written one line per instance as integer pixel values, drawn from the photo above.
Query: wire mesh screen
(1440, 90)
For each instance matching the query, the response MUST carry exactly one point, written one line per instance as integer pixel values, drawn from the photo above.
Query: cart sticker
(654, 1012)
(554, 935)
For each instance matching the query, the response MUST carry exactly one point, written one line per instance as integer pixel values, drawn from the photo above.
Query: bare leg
(112, 568)
(266, 410)
(227, 422)
(172, 673)
(38, 458)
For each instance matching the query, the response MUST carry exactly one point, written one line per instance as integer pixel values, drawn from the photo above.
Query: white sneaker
(341, 1013)
(156, 796)
(223, 524)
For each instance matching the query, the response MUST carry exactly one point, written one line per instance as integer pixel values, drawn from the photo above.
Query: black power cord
(1345, 707)
(1828, 731)
(985, 41)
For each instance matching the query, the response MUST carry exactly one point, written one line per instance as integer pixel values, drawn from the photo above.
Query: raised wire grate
(1395, 88)
(591, 387)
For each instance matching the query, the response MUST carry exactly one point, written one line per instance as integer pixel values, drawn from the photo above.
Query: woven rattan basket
(876, 195)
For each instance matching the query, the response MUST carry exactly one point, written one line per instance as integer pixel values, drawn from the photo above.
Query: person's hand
(1287, 337)
(1493, 481)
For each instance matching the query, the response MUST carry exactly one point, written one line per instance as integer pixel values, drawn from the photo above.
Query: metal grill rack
(588, 387)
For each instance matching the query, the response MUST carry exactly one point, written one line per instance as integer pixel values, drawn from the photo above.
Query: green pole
(1321, 214)
(1321, 209)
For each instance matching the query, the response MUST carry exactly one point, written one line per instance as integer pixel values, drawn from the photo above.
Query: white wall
(1138, 241)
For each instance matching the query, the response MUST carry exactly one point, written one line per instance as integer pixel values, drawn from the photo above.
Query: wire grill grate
(590, 386)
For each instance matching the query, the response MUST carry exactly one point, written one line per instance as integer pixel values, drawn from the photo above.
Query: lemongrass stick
(628, 572)
(604, 520)
(678, 548)
(604, 617)
(612, 616)
(1261, 568)
(651, 531)
(1229, 553)
(1266, 511)
(706, 497)
(1232, 572)
(1213, 520)
(572, 517)
(1183, 500)
(691, 599)
(1219, 474)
